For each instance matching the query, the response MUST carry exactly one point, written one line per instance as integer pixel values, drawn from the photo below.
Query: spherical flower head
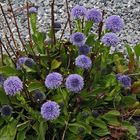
(124, 80)
(114, 23)
(78, 39)
(78, 11)
(6, 110)
(83, 61)
(32, 10)
(21, 62)
(74, 83)
(38, 95)
(2, 79)
(85, 49)
(110, 39)
(12, 85)
(94, 15)
(53, 80)
(29, 62)
(57, 26)
(50, 110)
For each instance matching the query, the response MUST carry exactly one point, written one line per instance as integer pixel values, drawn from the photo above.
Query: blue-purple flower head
(78, 39)
(24, 61)
(124, 80)
(85, 49)
(110, 39)
(50, 110)
(12, 85)
(94, 15)
(21, 62)
(53, 80)
(32, 10)
(78, 11)
(74, 83)
(114, 23)
(6, 110)
(83, 61)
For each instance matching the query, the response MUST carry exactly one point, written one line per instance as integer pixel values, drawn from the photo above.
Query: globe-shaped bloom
(38, 95)
(50, 110)
(85, 49)
(12, 85)
(21, 62)
(94, 15)
(83, 61)
(53, 80)
(114, 23)
(57, 26)
(32, 10)
(78, 11)
(124, 80)
(29, 62)
(110, 39)
(78, 39)
(74, 83)
(6, 110)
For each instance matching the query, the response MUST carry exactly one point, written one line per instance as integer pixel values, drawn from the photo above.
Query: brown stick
(1, 54)
(8, 27)
(17, 27)
(52, 21)
(68, 13)
(9, 44)
(29, 30)
(2, 45)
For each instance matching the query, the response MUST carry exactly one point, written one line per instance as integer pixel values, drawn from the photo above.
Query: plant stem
(2, 45)
(1, 55)
(9, 27)
(68, 13)
(10, 46)
(29, 30)
(66, 126)
(17, 27)
(52, 22)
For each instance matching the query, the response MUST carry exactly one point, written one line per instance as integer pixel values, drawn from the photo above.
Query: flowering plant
(72, 88)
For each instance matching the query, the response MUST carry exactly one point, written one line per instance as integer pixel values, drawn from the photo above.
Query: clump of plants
(69, 89)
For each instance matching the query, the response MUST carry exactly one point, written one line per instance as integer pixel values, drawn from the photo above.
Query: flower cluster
(50, 110)
(85, 49)
(32, 10)
(12, 85)
(53, 80)
(124, 80)
(78, 11)
(83, 61)
(74, 83)
(110, 39)
(6, 110)
(94, 15)
(78, 39)
(114, 23)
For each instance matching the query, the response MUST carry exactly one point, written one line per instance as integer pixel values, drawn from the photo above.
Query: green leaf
(137, 50)
(36, 85)
(73, 126)
(112, 117)
(129, 50)
(21, 135)
(88, 26)
(100, 123)
(23, 125)
(101, 132)
(8, 71)
(55, 64)
(33, 18)
(128, 100)
(8, 132)
(3, 97)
